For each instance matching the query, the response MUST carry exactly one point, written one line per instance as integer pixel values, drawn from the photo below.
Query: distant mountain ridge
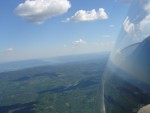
(17, 65)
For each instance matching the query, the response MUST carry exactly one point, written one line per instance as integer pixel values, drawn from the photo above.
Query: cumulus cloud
(38, 11)
(9, 49)
(83, 15)
(128, 26)
(80, 42)
(145, 23)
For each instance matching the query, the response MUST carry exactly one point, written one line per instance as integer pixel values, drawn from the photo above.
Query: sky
(32, 29)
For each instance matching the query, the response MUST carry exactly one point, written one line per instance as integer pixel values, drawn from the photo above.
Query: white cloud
(83, 15)
(80, 42)
(145, 23)
(9, 49)
(38, 11)
(128, 26)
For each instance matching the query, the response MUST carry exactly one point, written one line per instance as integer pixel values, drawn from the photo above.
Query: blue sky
(26, 33)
